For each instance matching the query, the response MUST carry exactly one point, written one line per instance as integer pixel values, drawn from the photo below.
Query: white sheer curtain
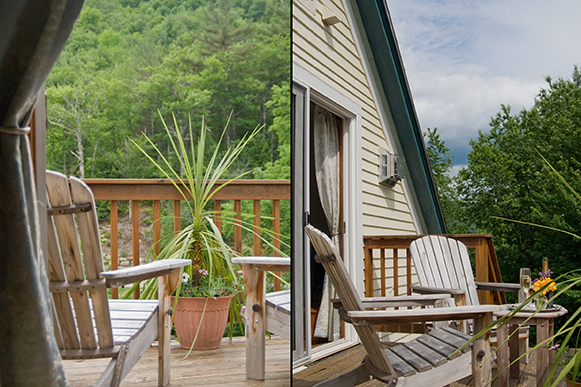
(326, 144)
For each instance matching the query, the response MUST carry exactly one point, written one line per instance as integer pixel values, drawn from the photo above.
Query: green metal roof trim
(380, 34)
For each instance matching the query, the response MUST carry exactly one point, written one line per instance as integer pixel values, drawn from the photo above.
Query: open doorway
(325, 188)
(319, 183)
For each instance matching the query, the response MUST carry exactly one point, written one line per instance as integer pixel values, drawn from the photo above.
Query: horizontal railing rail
(391, 254)
(158, 190)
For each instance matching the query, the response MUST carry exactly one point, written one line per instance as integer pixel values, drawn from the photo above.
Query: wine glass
(525, 280)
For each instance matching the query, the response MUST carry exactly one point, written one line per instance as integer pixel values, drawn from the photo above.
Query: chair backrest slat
(348, 295)
(443, 262)
(88, 228)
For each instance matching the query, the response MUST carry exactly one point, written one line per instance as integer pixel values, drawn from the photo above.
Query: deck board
(348, 359)
(219, 367)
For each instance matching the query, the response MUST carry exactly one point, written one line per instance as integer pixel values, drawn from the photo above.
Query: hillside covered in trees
(129, 61)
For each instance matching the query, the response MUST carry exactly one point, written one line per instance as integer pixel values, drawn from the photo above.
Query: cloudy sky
(464, 59)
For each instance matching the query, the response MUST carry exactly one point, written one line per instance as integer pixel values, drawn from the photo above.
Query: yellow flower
(551, 286)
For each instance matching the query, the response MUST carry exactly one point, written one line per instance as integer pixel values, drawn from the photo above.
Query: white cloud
(461, 104)
(464, 59)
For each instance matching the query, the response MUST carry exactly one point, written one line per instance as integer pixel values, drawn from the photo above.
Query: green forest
(506, 177)
(128, 63)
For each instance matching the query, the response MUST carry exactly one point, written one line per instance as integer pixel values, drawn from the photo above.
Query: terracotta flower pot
(570, 383)
(187, 318)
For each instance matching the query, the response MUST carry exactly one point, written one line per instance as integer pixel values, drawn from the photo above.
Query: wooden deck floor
(348, 359)
(219, 367)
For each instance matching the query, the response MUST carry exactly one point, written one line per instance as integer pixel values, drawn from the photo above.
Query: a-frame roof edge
(376, 22)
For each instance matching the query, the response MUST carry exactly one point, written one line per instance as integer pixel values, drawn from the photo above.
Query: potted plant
(201, 311)
(212, 277)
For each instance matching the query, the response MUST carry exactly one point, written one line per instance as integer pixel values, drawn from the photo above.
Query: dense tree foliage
(128, 61)
(507, 178)
(441, 164)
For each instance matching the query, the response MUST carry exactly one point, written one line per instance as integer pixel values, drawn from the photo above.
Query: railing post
(368, 264)
(482, 268)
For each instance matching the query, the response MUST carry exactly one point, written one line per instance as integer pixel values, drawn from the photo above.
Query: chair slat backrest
(68, 235)
(347, 293)
(443, 262)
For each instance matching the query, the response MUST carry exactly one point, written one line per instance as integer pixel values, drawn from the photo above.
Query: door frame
(315, 90)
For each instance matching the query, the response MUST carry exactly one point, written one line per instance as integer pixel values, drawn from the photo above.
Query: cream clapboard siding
(331, 54)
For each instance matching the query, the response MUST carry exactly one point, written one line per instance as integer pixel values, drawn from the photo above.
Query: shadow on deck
(348, 359)
(223, 366)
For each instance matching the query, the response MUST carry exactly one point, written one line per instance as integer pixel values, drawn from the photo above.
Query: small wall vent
(391, 168)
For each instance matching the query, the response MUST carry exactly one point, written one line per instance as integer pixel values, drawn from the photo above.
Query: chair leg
(166, 285)
(255, 322)
(481, 353)
(116, 380)
(356, 376)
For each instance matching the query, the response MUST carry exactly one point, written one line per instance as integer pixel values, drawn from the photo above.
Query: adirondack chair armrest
(432, 290)
(375, 317)
(398, 301)
(498, 287)
(130, 275)
(265, 263)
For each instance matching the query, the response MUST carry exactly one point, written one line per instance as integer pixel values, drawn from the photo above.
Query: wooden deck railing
(156, 190)
(390, 257)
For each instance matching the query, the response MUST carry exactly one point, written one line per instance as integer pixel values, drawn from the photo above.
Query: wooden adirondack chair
(429, 360)
(443, 265)
(87, 324)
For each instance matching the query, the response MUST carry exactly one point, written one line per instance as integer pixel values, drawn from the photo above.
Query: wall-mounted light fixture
(329, 18)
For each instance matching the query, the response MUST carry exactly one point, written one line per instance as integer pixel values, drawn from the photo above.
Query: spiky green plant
(200, 241)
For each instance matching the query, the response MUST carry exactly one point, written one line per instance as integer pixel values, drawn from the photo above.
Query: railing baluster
(177, 216)
(218, 215)
(256, 228)
(114, 244)
(237, 228)
(409, 271)
(395, 273)
(382, 271)
(135, 237)
(276, 240)
(156, 227)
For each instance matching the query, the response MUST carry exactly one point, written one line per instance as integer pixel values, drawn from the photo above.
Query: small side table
(545, 329)
(255, 280)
